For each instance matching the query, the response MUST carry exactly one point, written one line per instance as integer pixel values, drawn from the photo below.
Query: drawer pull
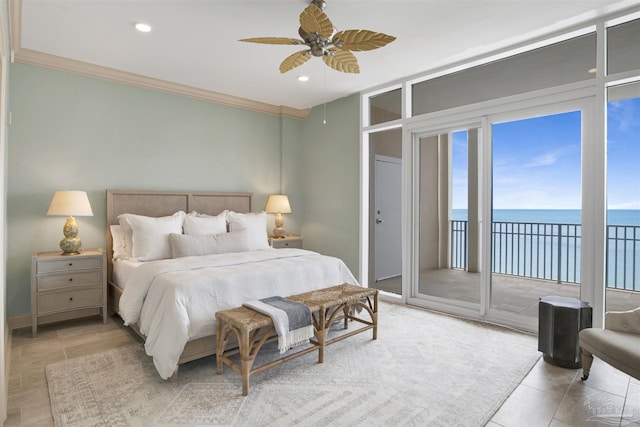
(70, 298)
(71, 279)
(70, 264)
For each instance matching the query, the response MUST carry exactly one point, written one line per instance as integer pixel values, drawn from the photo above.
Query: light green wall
(74, 132)
(331, 178)
(291, 170)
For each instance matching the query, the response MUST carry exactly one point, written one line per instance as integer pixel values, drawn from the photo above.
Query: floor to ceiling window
(623, 201)
(536, 215)
(541, 115)
(622, 279)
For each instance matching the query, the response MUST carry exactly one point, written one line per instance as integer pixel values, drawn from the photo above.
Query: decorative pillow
(119, 243)
(255, 223)
(150, 236)
(208, 244)
(195, 223)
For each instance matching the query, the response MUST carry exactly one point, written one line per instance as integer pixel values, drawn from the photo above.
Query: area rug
(424, 369)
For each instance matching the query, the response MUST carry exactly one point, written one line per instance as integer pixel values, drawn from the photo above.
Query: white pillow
(195, 223)
(208, 244)
(150, 236)
(119, 243)
(255, 223)
(127, 232)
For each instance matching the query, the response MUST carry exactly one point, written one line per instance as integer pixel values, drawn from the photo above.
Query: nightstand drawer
(55, 281)
(289, 243)
(69, 264)
(60, 301)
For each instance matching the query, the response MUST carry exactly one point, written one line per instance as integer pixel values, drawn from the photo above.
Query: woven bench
(253, 329)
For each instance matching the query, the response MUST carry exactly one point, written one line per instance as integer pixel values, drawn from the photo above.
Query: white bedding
(175, 300)
(122, 269)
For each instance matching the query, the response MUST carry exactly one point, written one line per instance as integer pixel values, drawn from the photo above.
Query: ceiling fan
(322, 40)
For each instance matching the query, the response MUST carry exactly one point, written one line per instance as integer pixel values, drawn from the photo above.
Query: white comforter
(175, 300)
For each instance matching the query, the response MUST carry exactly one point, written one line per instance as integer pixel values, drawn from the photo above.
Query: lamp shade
(278, 203)
(70, 203)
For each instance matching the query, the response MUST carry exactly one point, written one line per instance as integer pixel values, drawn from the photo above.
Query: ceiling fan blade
(342, 60)
(361, 40)
(295, 60)
(314, 20)
(273, 40)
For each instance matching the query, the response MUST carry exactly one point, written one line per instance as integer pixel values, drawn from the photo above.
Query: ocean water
(555, 216)
(553, 251)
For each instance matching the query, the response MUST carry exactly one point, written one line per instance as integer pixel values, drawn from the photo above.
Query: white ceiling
(195, 42)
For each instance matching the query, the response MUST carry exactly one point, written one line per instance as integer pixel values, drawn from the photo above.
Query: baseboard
(25, 320)
(20, 321)
(7, 368)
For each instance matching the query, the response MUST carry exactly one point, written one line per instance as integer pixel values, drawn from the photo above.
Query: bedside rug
(424, 369)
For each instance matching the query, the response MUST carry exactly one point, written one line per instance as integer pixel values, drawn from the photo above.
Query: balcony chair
(618, 343)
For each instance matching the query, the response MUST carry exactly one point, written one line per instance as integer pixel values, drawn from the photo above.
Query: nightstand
(288, 241)
(65, 287)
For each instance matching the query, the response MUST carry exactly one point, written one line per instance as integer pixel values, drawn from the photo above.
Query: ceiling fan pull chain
(324, 107)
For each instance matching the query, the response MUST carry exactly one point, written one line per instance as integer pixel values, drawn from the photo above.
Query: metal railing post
(560, 255)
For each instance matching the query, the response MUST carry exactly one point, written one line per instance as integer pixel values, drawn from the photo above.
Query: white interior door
(388, 228)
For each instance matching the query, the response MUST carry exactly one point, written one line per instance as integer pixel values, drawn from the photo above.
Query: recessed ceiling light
(143, 28)
(303, 78)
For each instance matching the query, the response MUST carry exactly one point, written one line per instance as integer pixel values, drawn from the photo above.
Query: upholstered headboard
(163, 203)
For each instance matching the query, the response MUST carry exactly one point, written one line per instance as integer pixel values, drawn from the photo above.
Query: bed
(170, 302)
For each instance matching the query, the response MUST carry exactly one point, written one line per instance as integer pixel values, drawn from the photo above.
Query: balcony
(530, 260)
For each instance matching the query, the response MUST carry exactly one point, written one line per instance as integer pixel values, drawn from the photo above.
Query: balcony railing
(552, 251)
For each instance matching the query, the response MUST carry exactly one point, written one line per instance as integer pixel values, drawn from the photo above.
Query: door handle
(379, 221)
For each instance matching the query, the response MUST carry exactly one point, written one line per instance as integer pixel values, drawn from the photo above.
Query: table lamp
(70, 203)
(278, 204)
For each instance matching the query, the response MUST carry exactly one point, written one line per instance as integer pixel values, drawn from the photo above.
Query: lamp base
(278, 233)
(71, 244)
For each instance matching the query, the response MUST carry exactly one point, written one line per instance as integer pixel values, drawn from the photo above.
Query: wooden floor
(548, 396)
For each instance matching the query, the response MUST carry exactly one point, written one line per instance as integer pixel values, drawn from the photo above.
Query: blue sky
(536, 162)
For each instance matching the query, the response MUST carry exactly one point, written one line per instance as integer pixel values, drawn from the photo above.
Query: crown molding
(40, 59)
(32, 57)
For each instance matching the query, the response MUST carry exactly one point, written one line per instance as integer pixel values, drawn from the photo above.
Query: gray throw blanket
(291, 319)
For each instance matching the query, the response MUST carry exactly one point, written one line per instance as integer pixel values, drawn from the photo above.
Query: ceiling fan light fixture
(142, 27)
(320, 4)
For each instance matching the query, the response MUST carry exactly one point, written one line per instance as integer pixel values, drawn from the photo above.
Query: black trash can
(560, 319)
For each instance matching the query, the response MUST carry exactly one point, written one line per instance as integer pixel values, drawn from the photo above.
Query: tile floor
(548, 396)
(28, 396)
(554, 396)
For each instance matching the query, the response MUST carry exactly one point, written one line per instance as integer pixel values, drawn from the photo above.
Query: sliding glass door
(448, 210)
(497, 226)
